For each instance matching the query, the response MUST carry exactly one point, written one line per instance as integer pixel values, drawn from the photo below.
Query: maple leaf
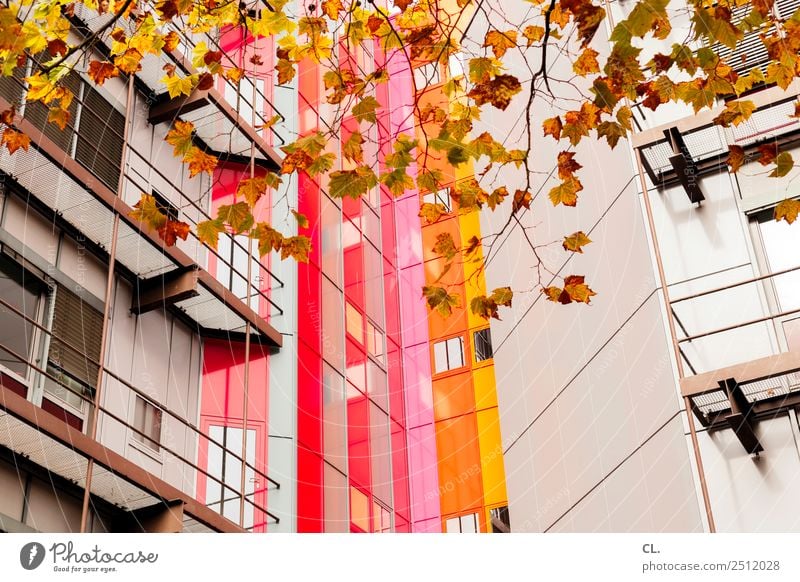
(587, 16)
(445, 246)
(500, 42)
(552, 127)
(768, 152)
(252, 189)
(59, 117)
(302, 219)
(566, 193)
(715, 24)
(586, 63)
(735, 157)
(177, 86)
(502, 296)
(171, 41)
(180, 137)
(7, 116)
(578, 123)
(352, 183)
(522, 199)
(364, 110)
(129, 62)
(208, 231)
(612, 131)
(14, 140)
(556, 295)
(286, 71)
(439, 299)
(296, 161)
(577, 289)
(567, 165)
(351, 148)
(499, 91)
(297, 247)
(40, 88)
(199, 161)
(533, 34)
(783, 165)
(99, 71)
(496, 197)
(432, 212)
(172, 230)
(146, 210)
(268, 238)
(787, 210)
(484, 307)
(57, 47)
(238, 216)
(205, 82)
(575, 242)
(735, 112)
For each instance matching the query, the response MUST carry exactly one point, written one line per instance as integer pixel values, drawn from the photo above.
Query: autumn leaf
(364, 110)
(177, 86)
(567, 166)
(14, 140)
(496, 197)
(735, 112)
(252, 189)
(522, 199)
(352, 183)
(432, 212)
(172, 230)
(787, 210)
(208, 231)
(575, 242)
(268, 238)
(487, 307)
(59, 117)
(445, 246)
(296, 161)
(146, 210)
(500, 42)
(552, 127)
(238, 216)
(499, 91)
(783, 165)
(331, 8)
(351, 148)
(129, 62)
(533, 34)
(100, 71)
(577, 290)
(180, 137)
(566, 193)
(199, 161)
(302, 220)
(297, 247)
(286, 71)
(440, 300)
(586, 63)
(735, 157)
(768, 152)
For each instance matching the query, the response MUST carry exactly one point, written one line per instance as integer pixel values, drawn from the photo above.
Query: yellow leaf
(177, 86)
(129, 62)
(500, 42)
(786, 210)
(14, 140)
(199, 161)
(180, 137)
(566, 193)
(735, 157)
(533, 34)
(577, 290)
(586, 63)
(39, 88)
(575, 242)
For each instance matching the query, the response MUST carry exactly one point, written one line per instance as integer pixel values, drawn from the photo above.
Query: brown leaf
(99, 71)
(735, 157)
(14, 140)
(575, 242)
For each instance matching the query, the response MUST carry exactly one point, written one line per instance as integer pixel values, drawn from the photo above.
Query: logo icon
(31, 555)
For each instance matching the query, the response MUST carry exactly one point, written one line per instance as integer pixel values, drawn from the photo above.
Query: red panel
(74, 421)
(309, 491)
(391, 301)
(13, 385)
(394, 362)
(309, 297)
(308, 204)
(309, 398)
(388, 234)
(354, 275)
(358, 438)
(356, 365)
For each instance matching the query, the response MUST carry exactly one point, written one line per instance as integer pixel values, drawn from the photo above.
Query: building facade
(178, 388)
(670, 403)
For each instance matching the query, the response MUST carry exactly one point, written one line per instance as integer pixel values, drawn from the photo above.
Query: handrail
(733, 285)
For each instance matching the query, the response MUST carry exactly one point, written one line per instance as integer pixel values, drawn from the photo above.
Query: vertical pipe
(246, 391)
(674, 337)
(106, 309)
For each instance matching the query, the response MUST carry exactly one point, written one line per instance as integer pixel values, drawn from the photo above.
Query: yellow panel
(492, 470)
(485, 387)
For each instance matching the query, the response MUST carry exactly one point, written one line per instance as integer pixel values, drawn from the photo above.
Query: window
(441, 197)
(147, 420)
(165, 206)
(224, 467)
(426, 76)
(501, 522)
(22, 291)
(233, 251)
(448, 354)
(374, 341)
(781, 241)
(463, 524)
(482, 341)
(354, 322)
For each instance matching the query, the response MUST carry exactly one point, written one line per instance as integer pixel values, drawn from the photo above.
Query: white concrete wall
(592, 428)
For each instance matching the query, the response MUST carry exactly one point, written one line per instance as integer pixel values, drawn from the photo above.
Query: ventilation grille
(77, 325)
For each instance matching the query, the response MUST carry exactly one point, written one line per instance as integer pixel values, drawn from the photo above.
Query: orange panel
(430, 232)
(453, 395)
(460, 483)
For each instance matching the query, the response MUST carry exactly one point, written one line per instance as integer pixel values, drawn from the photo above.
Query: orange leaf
(522, 199)
(787, 210)
(575, 242)
(99, 71)
(552, 127)
(577, 290)
(199, 161)
(500, 42)
(14, 140)
(567, 166)
(59, 116)
(768, 151)
(586, 63)
(735, 157)
(172, 230)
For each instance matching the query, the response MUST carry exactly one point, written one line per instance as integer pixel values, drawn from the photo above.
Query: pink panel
(428, 526)
(424, 475)
(419, 397)
(409, 243)
(413, 311)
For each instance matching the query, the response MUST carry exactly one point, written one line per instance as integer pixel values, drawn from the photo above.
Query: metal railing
(197, 437)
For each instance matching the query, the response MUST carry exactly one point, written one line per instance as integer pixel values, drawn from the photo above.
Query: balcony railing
(189, 472)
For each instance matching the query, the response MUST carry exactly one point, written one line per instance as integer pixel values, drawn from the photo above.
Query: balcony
(48, 415)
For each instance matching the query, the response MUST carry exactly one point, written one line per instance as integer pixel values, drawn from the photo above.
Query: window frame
(152, 445)
(475, 333)
(446, 341)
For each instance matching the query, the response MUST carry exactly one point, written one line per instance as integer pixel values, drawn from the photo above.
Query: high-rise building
(669, 404)
(148, 387)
